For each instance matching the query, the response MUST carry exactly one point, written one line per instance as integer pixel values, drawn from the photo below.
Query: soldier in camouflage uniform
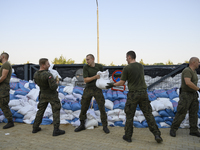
(5, 75)
(188, 99)
(48, 94)
(134, 74)
(90, 76)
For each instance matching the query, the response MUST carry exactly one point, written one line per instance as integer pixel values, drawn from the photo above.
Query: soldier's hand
(97, 76)
(109, 85)
(57, 79)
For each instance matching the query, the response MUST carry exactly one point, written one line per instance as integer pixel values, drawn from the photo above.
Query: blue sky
(157, 30)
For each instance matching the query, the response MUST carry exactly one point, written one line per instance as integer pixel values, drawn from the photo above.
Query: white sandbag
(61, 96)
(158, 105)
(14, 102)
(141, 118)
(25, 109)
(79, 96)
(68, 111)
(32, 103)
(163, 124)
(109, 104)
(76, 113)
(16, 108)
(97, 113)
(116, 118)
(155, 113)
(2, 117)
(176, 99)
(62, 111)
(138, 113)
(70, 97)
(33, 94)
(91, 114)
(48, 112)
(167, 103)
(64, 122)
(66, 117)
(29, 114)
(69, 89)
(136, 118)
(14, 80)
(111, 123)
(54, 72)
(26, 85)
(27, 121)
(91, 123)
(122, 117)
(114, 112)
(103, 80)
(12, 91)
(67, 79)
(76, 123)
(122, 113)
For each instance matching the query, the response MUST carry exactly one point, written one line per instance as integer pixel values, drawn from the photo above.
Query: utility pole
(97, 32)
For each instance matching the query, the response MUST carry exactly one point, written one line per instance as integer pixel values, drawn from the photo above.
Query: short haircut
(92, 56)
(193, 59)
(42, 61)
(131, 54)
(6, 55)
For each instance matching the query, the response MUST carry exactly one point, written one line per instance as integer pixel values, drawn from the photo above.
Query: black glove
(198, 90)
(109, 85)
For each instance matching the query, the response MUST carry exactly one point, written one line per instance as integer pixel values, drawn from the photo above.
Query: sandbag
(103, 80)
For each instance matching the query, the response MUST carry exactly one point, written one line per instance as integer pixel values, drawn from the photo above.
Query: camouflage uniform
(134, 74)
(188, 101)
(4, 91)
(90, 91)
(48, 94)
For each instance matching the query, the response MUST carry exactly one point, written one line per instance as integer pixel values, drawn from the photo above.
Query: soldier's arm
(89, 79)
(189, 83)
(52, 82)
(4, 75)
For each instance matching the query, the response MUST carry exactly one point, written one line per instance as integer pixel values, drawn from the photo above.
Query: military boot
(81, 127)
(105, 129)
(9, 125)
(158, 139)
(57, 132)
(35, 130)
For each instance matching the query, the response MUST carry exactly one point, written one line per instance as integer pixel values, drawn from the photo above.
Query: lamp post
(97, 33)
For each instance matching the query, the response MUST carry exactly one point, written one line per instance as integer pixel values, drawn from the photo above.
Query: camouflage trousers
(5, 108)
(42, 105)
(89, 92)
(188, 101)
(141, 98)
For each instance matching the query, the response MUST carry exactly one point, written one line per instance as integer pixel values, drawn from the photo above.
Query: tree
(62, 60)
(186, 62)
(123, 64)
(111, 64)
(158, 64)
(169, 62)
(84, 61)
(141, 61)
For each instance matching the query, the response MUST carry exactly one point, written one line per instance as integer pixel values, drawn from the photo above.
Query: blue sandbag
(168, 122)
(151, 96)
(170, 112)
(22, 91)
(158, 124)
(119, 123)
(66, 105)
(115, 95)
(104, 93)
(168, 119)
(163, 113)
(125, 94)
(73, 120)
(19, 120)
(138, 107)
(110, 95)
(161, 93)
(22, 83)
(122, 103)
(45, 121)
(75, 106)
(78, 90)
(18, 115)
(14, 85)
(32, 86)
(172, 93)
(60, 90)
(116, 104)
(144, 123)
(158, 119)
(120, 95)
(137, 124)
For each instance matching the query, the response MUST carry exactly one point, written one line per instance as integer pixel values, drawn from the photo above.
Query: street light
(97, 33)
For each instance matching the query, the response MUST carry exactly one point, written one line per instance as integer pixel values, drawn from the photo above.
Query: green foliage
(158, 64)
(186, 62)
(62, 60)
(169, 62)
(84, 61)
(141, 62)
(111, 64)
(123, 64)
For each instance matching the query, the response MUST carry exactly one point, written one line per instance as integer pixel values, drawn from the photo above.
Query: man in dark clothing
(90, 76)
(134, 74)
(5, 75)
(188, 99)
(48, 94)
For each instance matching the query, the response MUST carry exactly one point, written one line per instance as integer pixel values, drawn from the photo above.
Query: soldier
(48, 94)
(188, 99)
(90, 76)
(5, 74)
(134, 74)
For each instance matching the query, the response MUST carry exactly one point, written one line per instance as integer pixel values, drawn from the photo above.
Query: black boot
(172, 132)
(9, 125)
(105, 129)
(57, 132)
(35, 130)
(81, 127)
(158, 139)
(127, 139)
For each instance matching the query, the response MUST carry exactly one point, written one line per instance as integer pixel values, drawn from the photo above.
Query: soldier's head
(4, 57)
(130, 56)
(194, 62)
(44, 64)
(90, 60)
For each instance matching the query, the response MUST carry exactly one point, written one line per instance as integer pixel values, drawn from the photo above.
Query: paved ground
(20, 137)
